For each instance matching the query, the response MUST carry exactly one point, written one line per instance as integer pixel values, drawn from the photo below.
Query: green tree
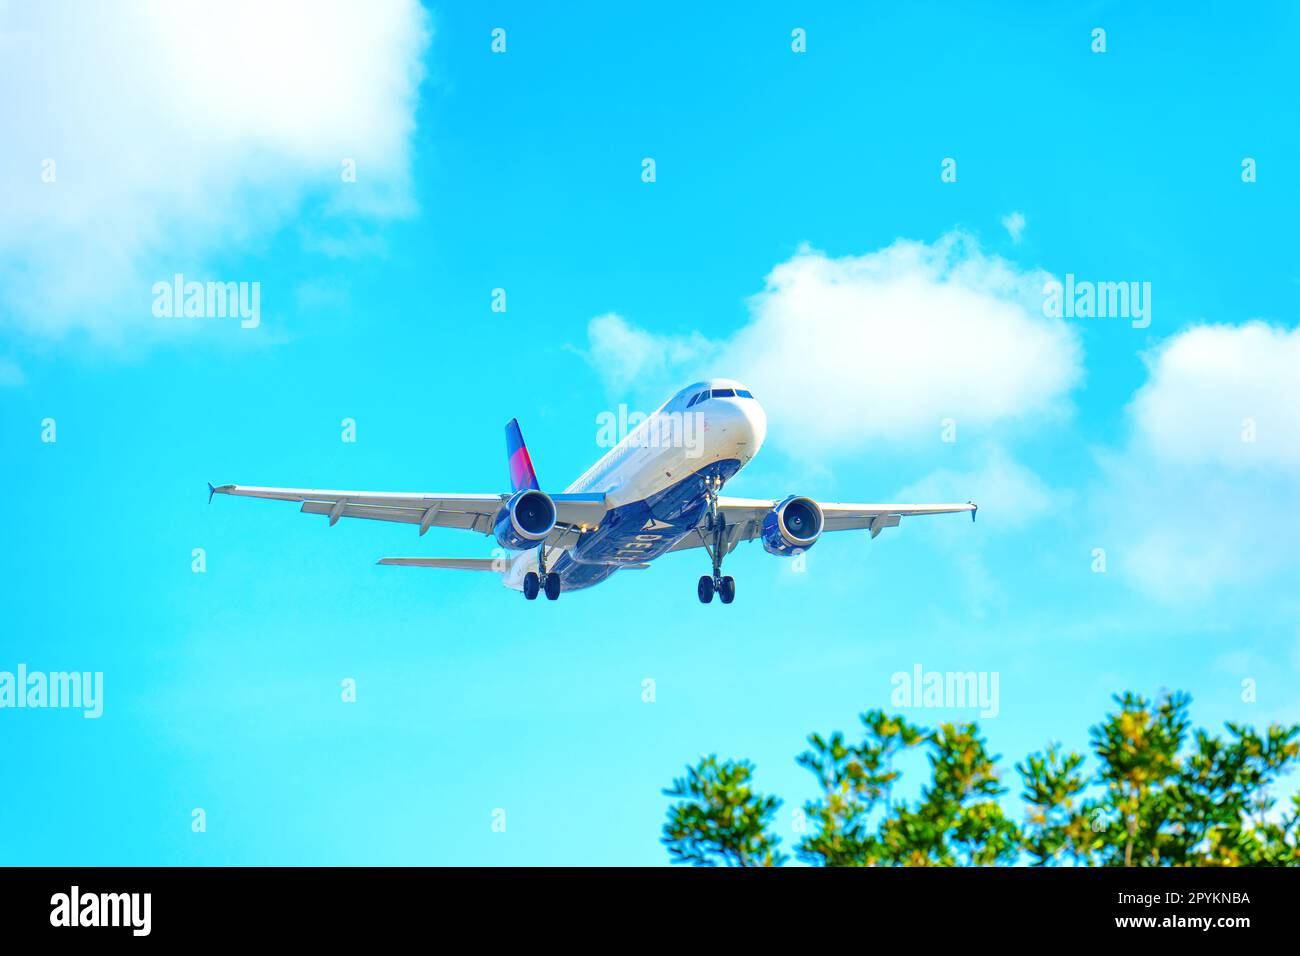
(1158, 797)
(854, 780)
(1059, 824)
(1162, 800)
(957, 819)
(719, 818)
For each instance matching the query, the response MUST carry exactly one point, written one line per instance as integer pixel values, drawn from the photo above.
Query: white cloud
(1190, 508)
(1184, 533)
(181, 130)
(625, 354)
(1009, 494)
(1014, 224)
(853, 350)
(1010, 497)
(1224, 395)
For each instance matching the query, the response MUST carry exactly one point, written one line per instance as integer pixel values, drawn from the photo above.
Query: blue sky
(797, 235)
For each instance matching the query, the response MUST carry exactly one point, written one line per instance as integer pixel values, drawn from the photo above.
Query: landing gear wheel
(531, 585)
(705, 589)
(727, 590)
(552, 587)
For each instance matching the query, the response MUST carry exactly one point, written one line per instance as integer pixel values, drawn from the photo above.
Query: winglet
(974, 509)
(211, 491)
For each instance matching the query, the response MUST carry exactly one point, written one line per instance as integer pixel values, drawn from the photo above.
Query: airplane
(657, 491)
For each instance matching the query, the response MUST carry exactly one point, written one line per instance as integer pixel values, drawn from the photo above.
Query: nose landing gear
(724, 587)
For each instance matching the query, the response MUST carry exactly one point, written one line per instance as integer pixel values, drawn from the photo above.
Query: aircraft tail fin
(522, 475)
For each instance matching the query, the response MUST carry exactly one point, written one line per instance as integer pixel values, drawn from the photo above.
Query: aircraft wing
(744, 518)
(453, 564)
(471, 564)
(471, 512)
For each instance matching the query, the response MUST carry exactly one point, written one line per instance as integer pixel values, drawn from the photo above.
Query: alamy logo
(179, 299)
(1101, 300)
(102, 909)
(664, 430)
(946, 689)
(36, 689)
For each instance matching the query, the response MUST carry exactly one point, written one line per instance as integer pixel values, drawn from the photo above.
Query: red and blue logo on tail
(522, 475)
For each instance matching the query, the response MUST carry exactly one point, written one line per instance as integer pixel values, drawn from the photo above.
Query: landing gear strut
(541, 580)
(724, 587)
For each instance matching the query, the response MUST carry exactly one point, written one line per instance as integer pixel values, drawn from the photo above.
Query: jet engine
(794, 525)
(525, 520)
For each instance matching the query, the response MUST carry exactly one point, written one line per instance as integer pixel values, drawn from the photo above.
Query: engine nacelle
(792, 526)
(527, 518)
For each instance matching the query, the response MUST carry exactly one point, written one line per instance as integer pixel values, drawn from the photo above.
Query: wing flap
(579, 510)
(744, 517)
(451, 564)
(441, 518)
(836, 510)
(471, 512)
(388, 499)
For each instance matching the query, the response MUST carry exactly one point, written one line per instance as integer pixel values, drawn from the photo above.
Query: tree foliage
(1162, 799)
(1156, 797)
(719, 819)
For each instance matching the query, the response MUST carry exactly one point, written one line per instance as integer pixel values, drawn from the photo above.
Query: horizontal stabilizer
(454, 564)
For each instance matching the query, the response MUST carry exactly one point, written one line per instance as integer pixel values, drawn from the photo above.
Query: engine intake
(792, 526)
(527, 518)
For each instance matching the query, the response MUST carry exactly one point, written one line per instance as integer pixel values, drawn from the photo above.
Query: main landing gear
(535, 582)
(724, 587)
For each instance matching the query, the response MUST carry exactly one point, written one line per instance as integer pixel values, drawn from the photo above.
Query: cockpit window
(719, 393)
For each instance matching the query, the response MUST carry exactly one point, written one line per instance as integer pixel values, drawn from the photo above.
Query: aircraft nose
(757, 423)
(747, 426)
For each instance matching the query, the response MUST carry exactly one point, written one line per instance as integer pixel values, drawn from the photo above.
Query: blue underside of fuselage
(641, 531)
